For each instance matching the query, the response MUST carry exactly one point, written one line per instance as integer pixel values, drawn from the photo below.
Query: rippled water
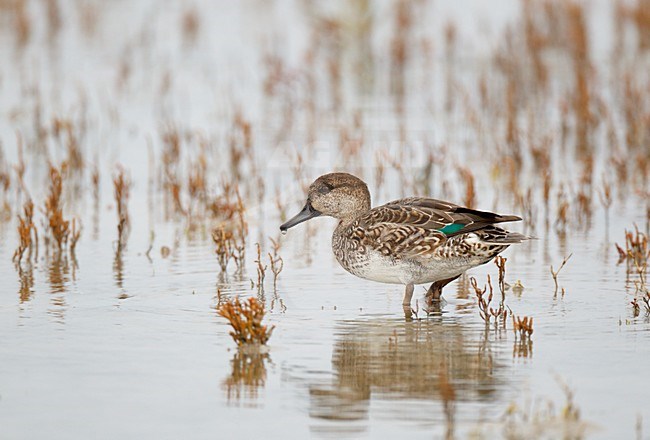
(110, 346)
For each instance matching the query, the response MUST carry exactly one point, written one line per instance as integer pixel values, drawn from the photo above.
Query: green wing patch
(452, 228)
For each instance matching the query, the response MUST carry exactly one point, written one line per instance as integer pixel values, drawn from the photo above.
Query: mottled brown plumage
(408, 241)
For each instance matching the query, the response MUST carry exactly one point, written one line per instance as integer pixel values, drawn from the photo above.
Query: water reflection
(277, 303)
(118, 270)
(26, 277)
(58, 271)
(427, 359)
(522, 348)
(247, 376)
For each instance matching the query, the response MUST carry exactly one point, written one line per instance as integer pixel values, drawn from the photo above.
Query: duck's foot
(435, 291)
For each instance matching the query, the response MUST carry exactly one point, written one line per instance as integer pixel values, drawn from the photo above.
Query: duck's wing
(439, 215)
(417, 226)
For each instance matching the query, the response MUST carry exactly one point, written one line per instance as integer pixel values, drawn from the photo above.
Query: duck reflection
(247, 376)
(428, 359)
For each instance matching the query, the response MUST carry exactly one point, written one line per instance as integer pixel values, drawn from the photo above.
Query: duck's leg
(435, 291)
(408, 294)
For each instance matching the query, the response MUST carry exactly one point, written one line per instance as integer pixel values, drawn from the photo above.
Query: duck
(410, 241)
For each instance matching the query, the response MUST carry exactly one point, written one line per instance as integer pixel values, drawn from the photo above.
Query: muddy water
(105, 345)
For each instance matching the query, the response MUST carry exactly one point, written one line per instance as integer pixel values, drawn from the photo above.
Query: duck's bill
(308, 212)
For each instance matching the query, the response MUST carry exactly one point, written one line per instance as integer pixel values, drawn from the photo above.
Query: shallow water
(109, 345)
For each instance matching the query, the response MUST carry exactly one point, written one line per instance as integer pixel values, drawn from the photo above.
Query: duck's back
(418, 240)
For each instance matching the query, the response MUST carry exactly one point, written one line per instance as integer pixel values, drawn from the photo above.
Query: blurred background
(149, 150)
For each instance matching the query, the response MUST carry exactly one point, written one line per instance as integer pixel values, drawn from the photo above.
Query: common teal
(408, 241)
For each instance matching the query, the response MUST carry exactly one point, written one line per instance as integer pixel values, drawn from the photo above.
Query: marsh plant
(229, 246)
(541, 418)
(636, 255)
(245, 318)
(261, 268)
(224, 247)
(61, 232)
(636, 252)
(555, 273)
(276, 261)
(485, 295)
(121, 192)
(27, 233)
(522, 327)
(484, 298)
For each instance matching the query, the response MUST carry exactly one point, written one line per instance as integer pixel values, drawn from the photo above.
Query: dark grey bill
(307, 213)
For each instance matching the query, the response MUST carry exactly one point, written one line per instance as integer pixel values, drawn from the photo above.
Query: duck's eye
(324, 188)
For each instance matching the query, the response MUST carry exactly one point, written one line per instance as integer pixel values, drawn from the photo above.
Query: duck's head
(338, 195)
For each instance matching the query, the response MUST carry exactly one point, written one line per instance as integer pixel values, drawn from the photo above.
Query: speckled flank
(447, 257)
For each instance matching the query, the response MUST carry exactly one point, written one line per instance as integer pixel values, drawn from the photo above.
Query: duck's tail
(495, 235)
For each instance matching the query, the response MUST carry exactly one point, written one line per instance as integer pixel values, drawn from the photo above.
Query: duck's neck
(346, 221)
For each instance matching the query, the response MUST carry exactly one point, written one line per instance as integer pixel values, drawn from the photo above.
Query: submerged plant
(245, 319)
